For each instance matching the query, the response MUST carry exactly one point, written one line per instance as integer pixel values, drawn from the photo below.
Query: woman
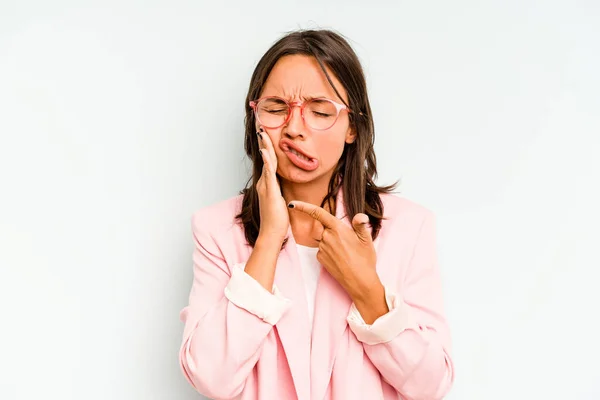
(302, 288)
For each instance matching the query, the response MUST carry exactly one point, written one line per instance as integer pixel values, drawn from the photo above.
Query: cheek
(330, 149)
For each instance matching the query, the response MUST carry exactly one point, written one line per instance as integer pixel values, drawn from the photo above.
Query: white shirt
(311, 268)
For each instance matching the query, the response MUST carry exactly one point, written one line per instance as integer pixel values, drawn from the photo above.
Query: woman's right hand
(274, 216)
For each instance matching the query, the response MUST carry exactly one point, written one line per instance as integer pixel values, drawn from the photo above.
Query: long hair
(357, 168)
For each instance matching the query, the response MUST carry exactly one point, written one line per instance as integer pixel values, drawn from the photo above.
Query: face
(295, 78)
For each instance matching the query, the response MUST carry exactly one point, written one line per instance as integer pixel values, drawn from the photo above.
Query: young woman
(314, 283)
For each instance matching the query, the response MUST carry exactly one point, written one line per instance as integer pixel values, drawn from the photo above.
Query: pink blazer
(232, 351)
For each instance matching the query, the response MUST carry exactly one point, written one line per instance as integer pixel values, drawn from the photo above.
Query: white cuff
(386, 327)
(245, 292)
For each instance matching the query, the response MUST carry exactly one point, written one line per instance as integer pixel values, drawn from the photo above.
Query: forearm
(221, 348)
(416, 363)
(411, 357)
(263, 260)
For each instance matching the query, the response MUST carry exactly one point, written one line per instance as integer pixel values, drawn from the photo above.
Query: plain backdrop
(119, 119)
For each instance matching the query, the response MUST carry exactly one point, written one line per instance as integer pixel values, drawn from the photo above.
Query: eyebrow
(310, 97)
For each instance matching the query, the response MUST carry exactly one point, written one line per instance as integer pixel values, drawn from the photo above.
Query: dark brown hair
(357, 167)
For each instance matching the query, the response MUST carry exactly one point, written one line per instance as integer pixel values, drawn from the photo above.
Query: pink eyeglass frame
(339, 107)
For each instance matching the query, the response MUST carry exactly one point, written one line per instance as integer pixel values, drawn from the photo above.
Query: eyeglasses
(320, 113)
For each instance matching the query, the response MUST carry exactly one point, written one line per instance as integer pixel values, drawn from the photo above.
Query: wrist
(266, 242)
(363, 288)
(371, 302)
(263, 261)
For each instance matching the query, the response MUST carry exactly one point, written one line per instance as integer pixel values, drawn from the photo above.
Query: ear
(350, 135)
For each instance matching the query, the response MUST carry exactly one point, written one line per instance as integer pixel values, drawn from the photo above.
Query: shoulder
(218, 217)
(407, 212)
(407, 226)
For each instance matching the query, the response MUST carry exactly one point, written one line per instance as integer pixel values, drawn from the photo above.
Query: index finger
(318, 213)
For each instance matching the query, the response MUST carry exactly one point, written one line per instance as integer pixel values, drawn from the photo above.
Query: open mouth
(298, 158)
(300, 155)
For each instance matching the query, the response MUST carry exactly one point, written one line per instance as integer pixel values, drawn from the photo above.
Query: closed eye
(320, 114)
(277, 111)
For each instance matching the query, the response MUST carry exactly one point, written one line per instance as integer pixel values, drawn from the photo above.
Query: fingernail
(259, 135)
(290, 205)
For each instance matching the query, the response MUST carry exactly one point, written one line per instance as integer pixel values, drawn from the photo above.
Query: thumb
(359, 223)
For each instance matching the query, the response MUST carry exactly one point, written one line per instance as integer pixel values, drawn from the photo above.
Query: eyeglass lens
(318, 113)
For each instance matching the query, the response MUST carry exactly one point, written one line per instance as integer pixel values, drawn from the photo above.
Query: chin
(293, 174)
(300, 176)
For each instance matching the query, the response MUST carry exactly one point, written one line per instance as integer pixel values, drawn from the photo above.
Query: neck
(312, 192)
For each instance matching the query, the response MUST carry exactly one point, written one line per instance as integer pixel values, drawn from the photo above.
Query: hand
(348, 254)
(274, 217)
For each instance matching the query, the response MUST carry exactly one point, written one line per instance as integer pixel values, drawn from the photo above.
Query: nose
(295, 124)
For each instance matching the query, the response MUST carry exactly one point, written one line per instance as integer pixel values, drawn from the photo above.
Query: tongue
(302, 162)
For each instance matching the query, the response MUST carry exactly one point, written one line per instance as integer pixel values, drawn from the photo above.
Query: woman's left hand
(347, 253)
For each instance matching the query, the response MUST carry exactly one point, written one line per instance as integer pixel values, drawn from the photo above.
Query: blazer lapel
(332, 305)
(311, 355)
(293, 326)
